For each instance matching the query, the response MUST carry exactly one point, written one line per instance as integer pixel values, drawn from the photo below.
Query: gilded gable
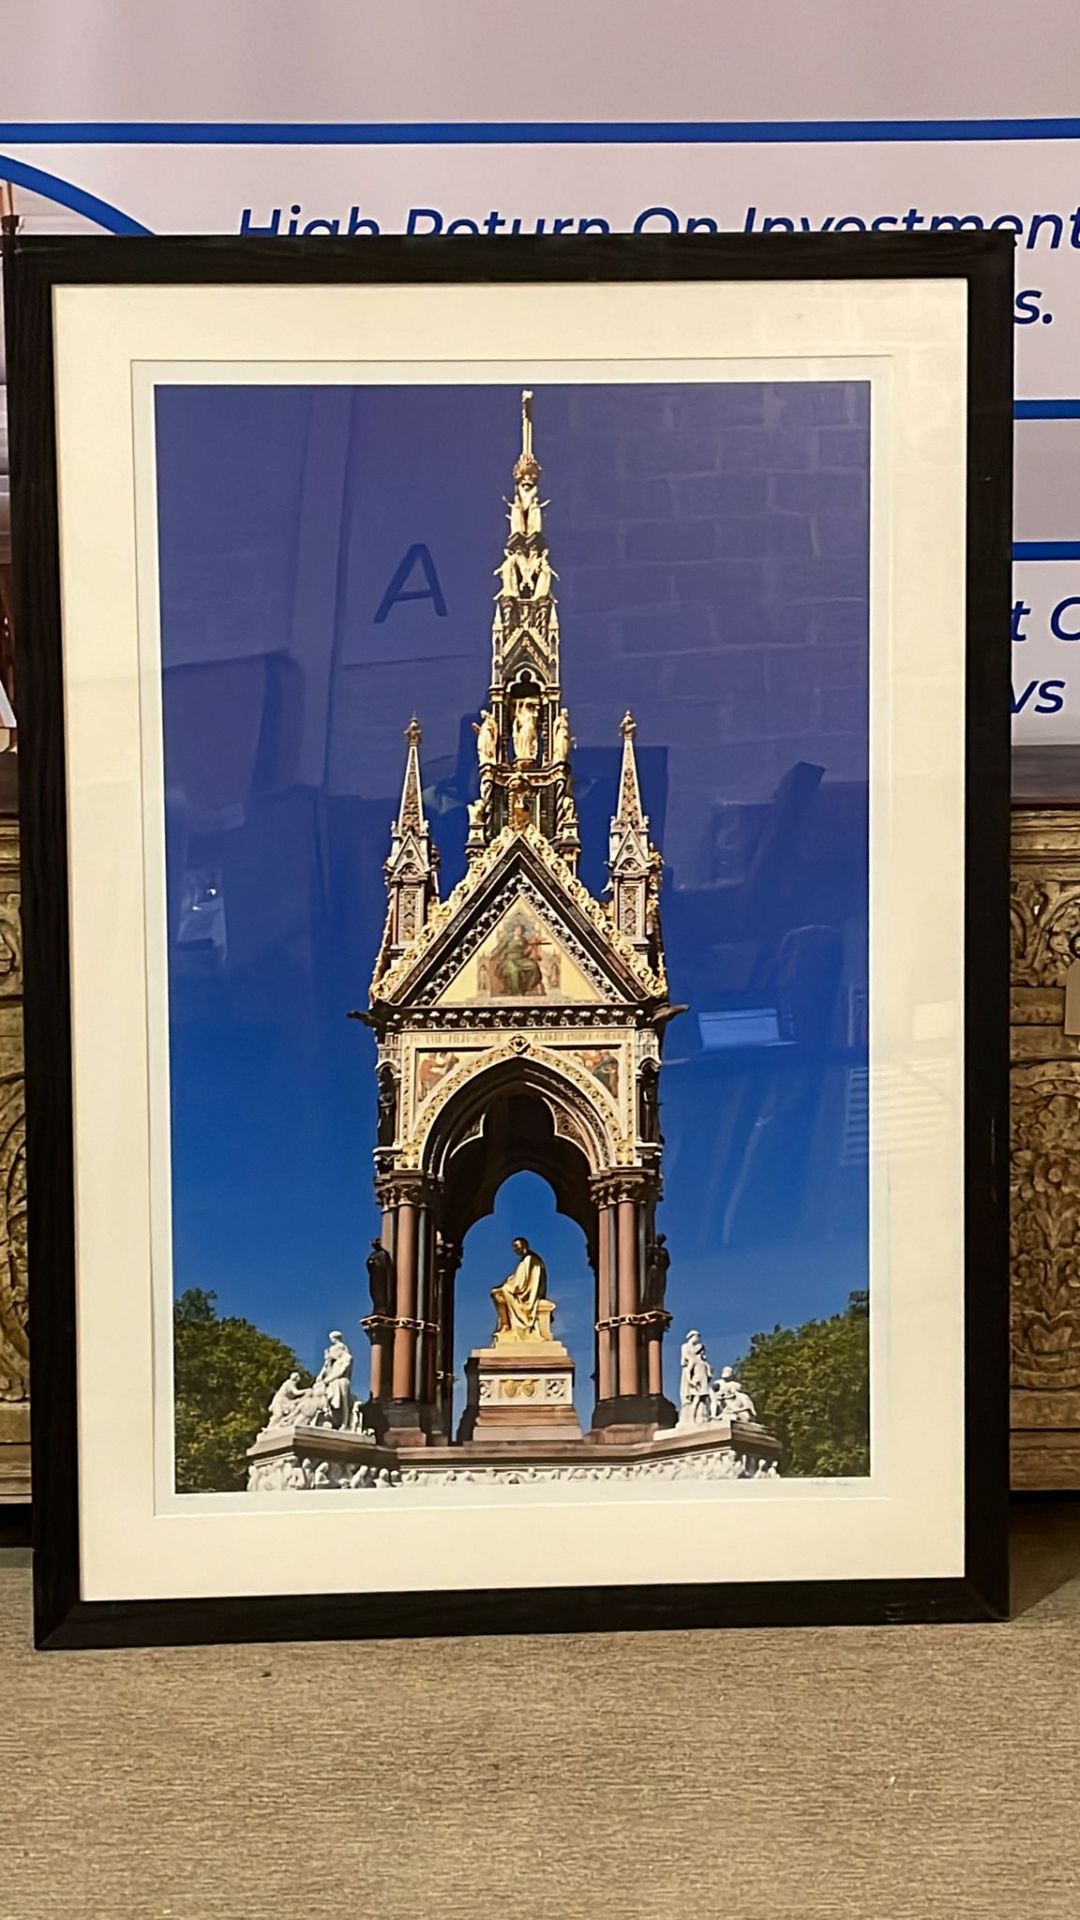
(523, 961)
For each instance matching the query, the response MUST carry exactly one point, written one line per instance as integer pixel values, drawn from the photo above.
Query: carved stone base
(520, 1390)
(298, 1459)
(588, 1463)
(14, 1451)
(288, 1459)
(1044, 1461)
(744, 1451)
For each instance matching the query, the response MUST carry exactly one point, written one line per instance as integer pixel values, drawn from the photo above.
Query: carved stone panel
(14, 1355)
(1045, 1226)
(1045, 1236)
(1045, 918)
(11, 974)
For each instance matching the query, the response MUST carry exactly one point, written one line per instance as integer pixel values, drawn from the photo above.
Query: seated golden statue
(521, 1303)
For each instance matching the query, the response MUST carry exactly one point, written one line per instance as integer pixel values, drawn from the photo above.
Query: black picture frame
(33, 268)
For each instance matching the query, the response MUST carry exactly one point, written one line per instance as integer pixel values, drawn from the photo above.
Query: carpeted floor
(896, 1774)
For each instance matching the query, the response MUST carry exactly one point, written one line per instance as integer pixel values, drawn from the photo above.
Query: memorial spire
(412, 864)
(411, 811)
(633, 862)
(523, 738)
(629, 814)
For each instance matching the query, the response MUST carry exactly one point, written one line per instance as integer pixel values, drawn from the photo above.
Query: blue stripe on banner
(67, 195)
(443, 133)
(1046, 550)
(1046, 410)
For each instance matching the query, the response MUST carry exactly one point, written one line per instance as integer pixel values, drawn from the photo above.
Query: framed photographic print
(516, 760)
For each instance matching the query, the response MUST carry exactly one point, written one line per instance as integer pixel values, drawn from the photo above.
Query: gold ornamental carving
(14, 1349)
(390, 984)
(617, 1185)
(14, 1346)
(1045, 1214)
(565, 1077)
(1045, 1236)
(1045, 928)
(525, 1388)
(11, 961)
(405, 1187)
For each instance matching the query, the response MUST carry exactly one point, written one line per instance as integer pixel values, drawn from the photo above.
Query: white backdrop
(262, 115)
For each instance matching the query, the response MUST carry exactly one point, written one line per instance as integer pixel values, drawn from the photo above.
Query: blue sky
(711, 546)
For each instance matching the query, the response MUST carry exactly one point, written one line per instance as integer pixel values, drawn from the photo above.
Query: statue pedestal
(541, 1444)
(520, 1390)
(288, 1459)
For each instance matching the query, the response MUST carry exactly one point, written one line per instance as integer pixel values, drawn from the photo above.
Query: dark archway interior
(518, 1136)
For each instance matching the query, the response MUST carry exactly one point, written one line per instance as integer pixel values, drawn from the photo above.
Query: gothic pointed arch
(581, 1113)
(516, 1133)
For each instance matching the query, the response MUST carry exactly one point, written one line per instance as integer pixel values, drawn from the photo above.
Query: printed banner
(918, 176)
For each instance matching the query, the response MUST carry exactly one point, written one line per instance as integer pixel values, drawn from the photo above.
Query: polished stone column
(630, 1401)
(404, 1373)
(448, 1260)
(654, 1357)
(378, 1367)
(425, 1290)
(628, 1297)
(605, 1353)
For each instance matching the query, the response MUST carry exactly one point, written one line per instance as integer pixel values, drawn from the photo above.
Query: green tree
(225, 1373)
(811, 1387)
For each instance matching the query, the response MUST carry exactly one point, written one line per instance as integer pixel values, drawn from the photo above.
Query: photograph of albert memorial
(516, 746)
